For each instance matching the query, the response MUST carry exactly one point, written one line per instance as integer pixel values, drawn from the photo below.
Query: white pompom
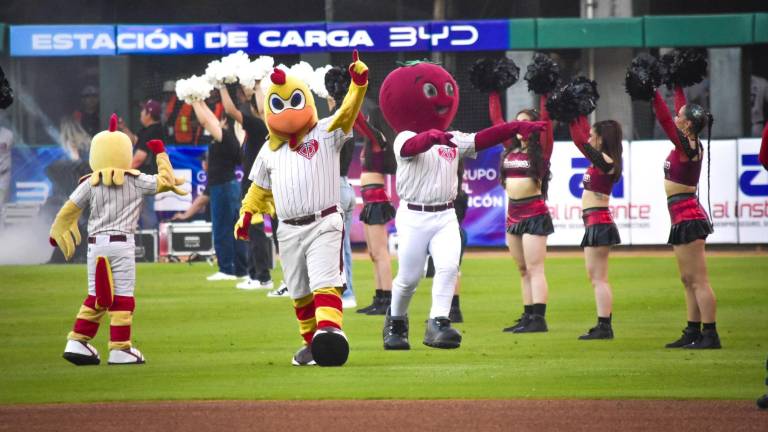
(317, 85)
(226, 70)
(194, 88)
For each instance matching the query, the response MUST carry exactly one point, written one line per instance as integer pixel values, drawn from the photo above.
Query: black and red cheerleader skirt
(529, 216)
(599, 228)
(689, 220)
(377, 210)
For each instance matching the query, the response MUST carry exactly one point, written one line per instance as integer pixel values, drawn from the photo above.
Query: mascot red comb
(419, 101)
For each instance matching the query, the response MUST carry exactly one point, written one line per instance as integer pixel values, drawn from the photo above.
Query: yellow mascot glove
(64, 232)
(165, 178)
(353, 100)
(257, 201)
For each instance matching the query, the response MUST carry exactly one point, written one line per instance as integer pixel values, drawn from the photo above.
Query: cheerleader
(601, 145)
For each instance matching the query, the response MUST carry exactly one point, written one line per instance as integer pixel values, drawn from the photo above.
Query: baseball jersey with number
(306, 180)
(114, 209)
(430, 177)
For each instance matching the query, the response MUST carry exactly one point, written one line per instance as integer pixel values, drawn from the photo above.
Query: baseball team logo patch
(309, 148)
(447, 153)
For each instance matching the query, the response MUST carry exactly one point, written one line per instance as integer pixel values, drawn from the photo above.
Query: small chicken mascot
(297, 174)
(114, 193)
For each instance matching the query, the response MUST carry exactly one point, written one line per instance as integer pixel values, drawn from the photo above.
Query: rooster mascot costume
(297, 175)
(114, 194)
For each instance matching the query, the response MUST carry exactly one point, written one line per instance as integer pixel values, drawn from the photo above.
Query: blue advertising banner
(380, 36)
(281, 38)
(485, 219)
(286, 38)
(485, 35)
(62, 40)
(171, 39)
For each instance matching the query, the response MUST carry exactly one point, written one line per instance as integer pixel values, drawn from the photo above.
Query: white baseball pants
(420, 233)
(311, 255)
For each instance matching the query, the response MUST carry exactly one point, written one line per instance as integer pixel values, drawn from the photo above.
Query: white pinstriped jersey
(114, 209)
(304, 181)
(430, 177)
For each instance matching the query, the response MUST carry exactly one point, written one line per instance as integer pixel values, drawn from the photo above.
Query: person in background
(224, 190)
(74, 139)
(199, 208)
(202, 136)
(377, 161)
(758, 97)
(260, 247)
(348, 201)
(151, 129)
(87, 115)
(6, 142)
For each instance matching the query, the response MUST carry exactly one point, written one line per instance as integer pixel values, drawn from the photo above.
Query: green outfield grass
(208, 340)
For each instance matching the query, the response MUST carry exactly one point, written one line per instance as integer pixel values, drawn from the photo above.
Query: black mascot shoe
(707, 340)
(535, 324)
(600, 331)
(395, 332)
(440, 334)
(330, 347)
(689, 336)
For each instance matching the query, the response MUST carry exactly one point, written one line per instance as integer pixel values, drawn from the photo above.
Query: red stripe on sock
(119, 333)
(305, 312)
(328, 300)
(308, 336)
(90, 301)
(123, 303)
(85, 327)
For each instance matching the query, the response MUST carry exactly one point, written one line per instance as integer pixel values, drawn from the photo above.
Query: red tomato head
(419, 97)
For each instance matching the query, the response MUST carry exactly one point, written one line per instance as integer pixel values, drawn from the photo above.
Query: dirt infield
(389, 416)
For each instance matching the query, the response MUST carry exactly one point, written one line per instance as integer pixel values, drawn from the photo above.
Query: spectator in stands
(6, 142)
(758, 98)
(74, 139)
(199, 209)
(142, 156)
(251, 119)
(224, 191)
(88, 113)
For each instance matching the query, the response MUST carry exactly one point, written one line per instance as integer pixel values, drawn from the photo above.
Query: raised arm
(679, 99)
(665, 119)
(580, 134)
(495, 112)
(229, 107)
(208, 120)
(347, 113)
(547, 135)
